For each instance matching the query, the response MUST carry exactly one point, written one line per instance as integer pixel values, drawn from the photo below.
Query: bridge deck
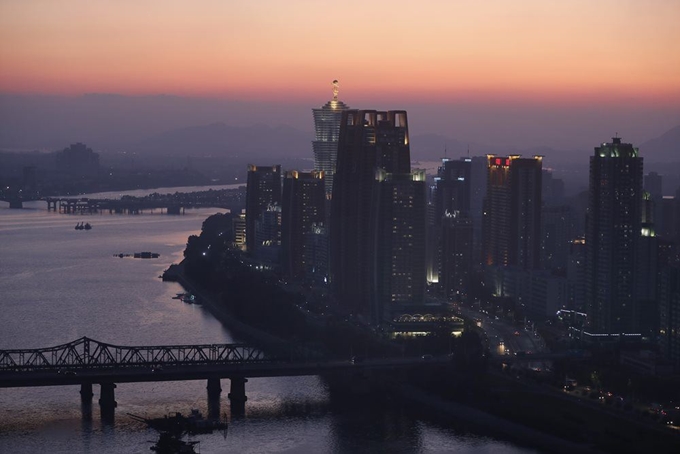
(89, 361)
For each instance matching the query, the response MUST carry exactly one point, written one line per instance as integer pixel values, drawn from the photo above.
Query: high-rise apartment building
(327, 129)
(451, 231)
(455, 267)
(368, 140)
(613, 230)
(512, 212)
(302, 207)
(453, 188)
(263, 190)
(398, 212)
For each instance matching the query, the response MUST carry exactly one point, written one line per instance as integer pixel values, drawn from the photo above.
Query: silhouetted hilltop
(665, 148)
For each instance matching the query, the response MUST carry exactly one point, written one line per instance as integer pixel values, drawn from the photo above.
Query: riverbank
(422, 401)
(211, 302)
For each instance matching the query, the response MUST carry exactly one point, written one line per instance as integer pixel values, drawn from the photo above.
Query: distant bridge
(132, 205)
(171, 203)
(87, 362)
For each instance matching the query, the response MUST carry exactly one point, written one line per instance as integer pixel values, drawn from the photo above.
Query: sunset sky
(272, 48)
(432, 52)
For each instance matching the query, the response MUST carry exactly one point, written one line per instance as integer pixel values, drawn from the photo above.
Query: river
(58, 284)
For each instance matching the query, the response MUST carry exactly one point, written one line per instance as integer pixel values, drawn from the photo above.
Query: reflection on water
(59, 284)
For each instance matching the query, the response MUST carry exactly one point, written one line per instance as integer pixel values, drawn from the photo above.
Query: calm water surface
(58, 284)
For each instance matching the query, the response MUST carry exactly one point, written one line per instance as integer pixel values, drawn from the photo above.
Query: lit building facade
(399, 204)
(327, 129)
(262, 192)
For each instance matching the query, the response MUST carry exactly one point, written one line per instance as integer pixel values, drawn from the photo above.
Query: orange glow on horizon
(433, 51)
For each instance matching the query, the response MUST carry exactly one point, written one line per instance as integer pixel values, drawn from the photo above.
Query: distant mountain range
(266, 142)
(220, 139)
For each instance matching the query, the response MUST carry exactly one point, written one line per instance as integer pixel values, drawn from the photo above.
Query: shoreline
(496, 426)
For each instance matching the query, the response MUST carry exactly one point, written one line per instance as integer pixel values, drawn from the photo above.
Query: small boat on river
(179, 424)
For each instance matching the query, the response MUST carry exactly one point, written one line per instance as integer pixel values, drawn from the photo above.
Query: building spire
(336, 88)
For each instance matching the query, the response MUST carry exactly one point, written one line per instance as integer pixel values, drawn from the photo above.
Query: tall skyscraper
(452, 228)
(368, 140)
(327, 128)
(262, 191)
(302, 208)
(613, 229)
(512, 212)
(399, 204)
(453, 187)
(455, 268)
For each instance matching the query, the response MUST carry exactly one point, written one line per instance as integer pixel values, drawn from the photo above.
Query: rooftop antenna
(444, 151)
(468, 150)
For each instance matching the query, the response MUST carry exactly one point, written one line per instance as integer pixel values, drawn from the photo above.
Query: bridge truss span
(91, 354)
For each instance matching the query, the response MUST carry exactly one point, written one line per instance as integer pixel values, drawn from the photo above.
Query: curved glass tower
(327, 128)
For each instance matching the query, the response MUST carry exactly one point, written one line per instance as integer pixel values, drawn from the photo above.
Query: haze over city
(493, 75)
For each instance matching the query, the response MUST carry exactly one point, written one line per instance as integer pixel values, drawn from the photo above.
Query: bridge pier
(237, 394)
(214, 388)
(107, 398)
(86, 393)
(214, 392)
(16, 203)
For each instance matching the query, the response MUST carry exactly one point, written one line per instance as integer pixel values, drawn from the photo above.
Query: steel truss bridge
(86, 362)
(86, 353)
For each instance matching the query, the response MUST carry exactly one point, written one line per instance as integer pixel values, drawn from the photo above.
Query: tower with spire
(325, 144)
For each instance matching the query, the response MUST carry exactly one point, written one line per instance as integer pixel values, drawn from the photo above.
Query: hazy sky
(540, 54)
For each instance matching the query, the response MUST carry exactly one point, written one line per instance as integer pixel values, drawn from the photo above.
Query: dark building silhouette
(268, 236)
(78, 160)
(451, 228)
(399, 202)
(456, 262)
(669, 313)
(653, 184)
(576, 275)
(557, 236)
(512, 212)
(263, 191)
(326, 130)
(302, 208)
(613, 230)
(553, 189)
(453, 187)
(479, 175)
(317, 254)
(368, 140)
